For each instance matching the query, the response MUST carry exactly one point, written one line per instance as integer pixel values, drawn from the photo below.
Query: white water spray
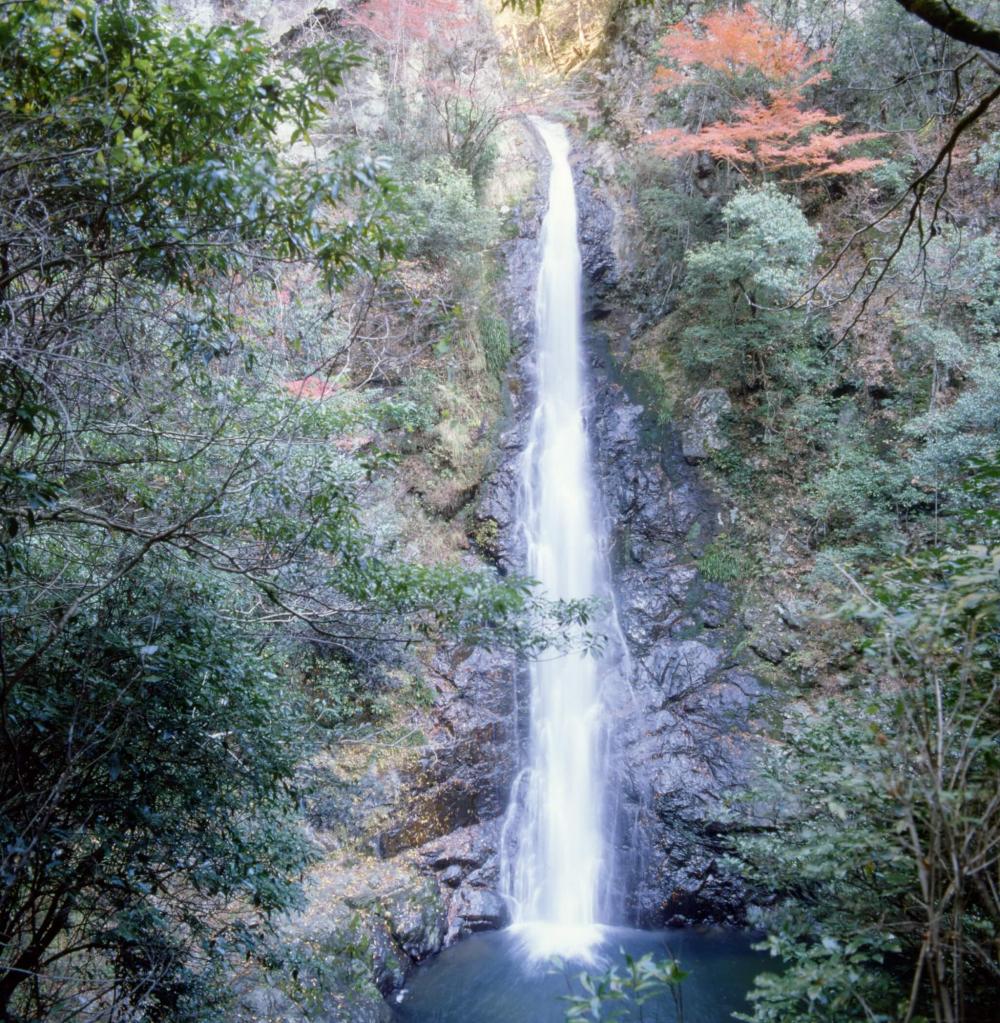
(553, 878)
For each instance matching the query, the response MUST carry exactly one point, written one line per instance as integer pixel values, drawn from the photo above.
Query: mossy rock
(416, 919)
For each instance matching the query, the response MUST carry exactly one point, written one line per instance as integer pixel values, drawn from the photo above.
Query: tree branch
(949, 19)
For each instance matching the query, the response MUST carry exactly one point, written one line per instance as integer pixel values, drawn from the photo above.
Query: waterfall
(555, 860)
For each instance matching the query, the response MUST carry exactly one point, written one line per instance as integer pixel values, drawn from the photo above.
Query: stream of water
(553, 863)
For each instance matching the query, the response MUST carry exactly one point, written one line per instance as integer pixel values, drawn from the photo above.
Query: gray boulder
(416, 920)
(703, 429)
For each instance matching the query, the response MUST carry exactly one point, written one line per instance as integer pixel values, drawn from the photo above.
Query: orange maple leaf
(773, 130)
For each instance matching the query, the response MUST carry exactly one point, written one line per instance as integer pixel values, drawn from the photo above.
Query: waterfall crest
(554, 873)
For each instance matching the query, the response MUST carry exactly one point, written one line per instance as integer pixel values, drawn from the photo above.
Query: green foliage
(671, 219)
(892, 177)
(162, 148)
(725, 560)
(740, 288)
(486, 536)
(409, 414)
(444, 219)
(494, 336)
(860, 496)
(338, 695)
(768, 249)
(418, 397)
(620, 994)
(881, 807)
(673, 222)
(830, 847)
(319, 977)
(962, 349)
(968, 426)
(980, 261)
(163, 743)
(469, 123)
(736, 469)
(891, 70)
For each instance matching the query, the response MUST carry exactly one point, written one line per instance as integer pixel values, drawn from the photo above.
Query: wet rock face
(467, 862)
(417, 921)
(677, 727)
(465, 774)
(703, 428)
(682, 731)
(458, 794)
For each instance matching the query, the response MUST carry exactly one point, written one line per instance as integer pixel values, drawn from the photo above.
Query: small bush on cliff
(445, 219)
(740, 290)
(725, 560)
(968, 426)
(860, 496)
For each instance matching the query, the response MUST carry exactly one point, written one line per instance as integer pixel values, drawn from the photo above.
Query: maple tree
(396, 26)
(763, 74)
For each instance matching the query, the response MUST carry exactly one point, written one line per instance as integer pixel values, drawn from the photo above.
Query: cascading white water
(555, 872)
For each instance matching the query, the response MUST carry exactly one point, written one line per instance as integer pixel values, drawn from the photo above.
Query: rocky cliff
(683, 714)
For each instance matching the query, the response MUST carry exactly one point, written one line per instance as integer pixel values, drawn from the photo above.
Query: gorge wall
(681, 729)
(409, 818)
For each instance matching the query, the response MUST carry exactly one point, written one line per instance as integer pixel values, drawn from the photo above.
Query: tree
(948, 18)
(882, 809)
(146, 743)
(919, 210)
(758, 75)
(468, 119)
(397, 25)
(144, 795)
(404, 22)
(940, 14)
(738, 288)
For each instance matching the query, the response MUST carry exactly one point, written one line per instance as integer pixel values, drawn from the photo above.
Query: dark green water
(488, 979)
